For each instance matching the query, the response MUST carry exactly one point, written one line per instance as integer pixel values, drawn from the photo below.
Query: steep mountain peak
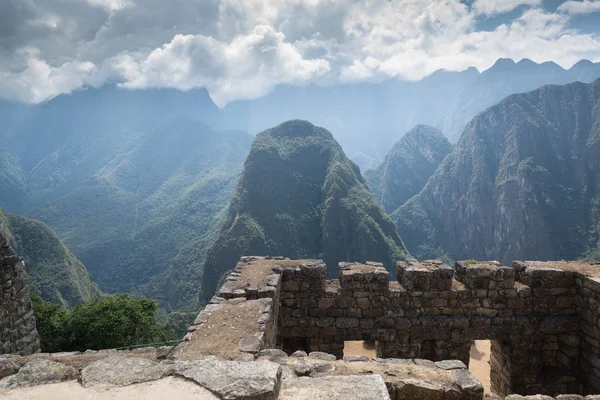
(502, 64)
(581, 64)
(299, 128)
(526, 61)
(408, 166)
(522, 182)
(300, 196)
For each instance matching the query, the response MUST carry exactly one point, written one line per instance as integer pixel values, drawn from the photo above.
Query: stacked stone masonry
(542, 317)
(18, 332)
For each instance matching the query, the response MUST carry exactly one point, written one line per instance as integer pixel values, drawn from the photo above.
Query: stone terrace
(276, 330)
(542, 318)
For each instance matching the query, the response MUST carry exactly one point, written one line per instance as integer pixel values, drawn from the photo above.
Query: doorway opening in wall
(290, 345)
(479, 362)
(359, 348)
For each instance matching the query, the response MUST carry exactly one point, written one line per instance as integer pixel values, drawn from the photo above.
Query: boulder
(355, 387)
(39, 372)
(122, 371)
(259, 380)
(7, 367)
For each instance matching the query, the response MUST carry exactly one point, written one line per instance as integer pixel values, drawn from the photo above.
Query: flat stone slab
(258, 380)
(169, 388)
(39, 372)
(121, 371)
(356, 387)
(7, 367)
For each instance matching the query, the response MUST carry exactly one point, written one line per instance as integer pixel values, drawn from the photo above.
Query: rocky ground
(150, 374)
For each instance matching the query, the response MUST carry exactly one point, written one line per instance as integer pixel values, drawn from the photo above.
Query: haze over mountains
(129, 181)
(523, 182)
(368, 118)
(159, 191)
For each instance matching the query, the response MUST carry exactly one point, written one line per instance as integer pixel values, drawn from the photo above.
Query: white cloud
(111, 5)
(243, 48)
(493, 7)
(40, 81)
(248, 67)
(580, 7)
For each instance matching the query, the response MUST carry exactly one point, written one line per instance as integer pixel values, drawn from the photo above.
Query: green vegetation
(408, 166)
(136, 200)
(522, 183)
(54, 272)
(301, 197)
(104, 323)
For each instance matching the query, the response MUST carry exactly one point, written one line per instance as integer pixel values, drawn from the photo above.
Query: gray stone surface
(39, 372)
(451, 364)
(7, 367)
(419, 389)
(355, 387)
(259, 380)
(121, 371)
(322, 356)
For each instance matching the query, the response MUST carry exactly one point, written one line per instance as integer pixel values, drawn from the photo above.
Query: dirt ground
(479, 364)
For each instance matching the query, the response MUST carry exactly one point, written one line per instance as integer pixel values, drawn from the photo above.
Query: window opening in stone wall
(359, 348)
(291, 345)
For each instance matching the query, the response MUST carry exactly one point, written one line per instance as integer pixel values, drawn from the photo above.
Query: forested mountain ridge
(132, 181)
(54, 272)
(365, 118)
(300, 196)
(523, 182)
(408, 166)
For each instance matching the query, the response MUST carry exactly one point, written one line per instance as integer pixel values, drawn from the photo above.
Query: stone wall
(18, 333)
(541, 317)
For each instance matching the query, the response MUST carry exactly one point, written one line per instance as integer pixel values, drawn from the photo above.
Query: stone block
(367, 277)
(424, 276)
(357, 387)
(484, 275)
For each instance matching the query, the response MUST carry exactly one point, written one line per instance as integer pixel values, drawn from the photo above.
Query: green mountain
(54, 272)
(149, 211)
(132, 181)
(523, 182)
(301, 197)
(408, 166)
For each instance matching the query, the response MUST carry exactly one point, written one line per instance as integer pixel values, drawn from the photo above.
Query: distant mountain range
(300, 196)
(368, 118)
(131, 181)
(141, 185)
(523, 182)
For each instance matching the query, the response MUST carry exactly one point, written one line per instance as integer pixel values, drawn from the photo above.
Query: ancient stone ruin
(542, 317)
(17, 323)
(277, 328)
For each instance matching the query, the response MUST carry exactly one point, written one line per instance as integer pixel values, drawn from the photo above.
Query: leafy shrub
(107, 322)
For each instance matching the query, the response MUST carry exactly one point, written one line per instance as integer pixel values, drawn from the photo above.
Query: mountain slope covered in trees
(300, 196)
(523, 182)
(54, 272)
(408, 166)
(132, 181)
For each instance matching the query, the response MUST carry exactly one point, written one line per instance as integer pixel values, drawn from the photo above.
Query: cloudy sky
(243, 48)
